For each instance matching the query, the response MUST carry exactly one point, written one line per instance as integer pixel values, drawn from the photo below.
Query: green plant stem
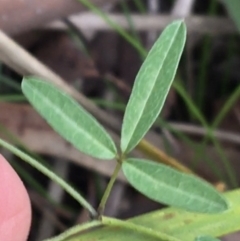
(75, 230)
(51, 175)
(107, 192)
(138, 228)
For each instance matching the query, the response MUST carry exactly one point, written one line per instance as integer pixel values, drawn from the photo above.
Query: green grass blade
(69, 119)
(152, 85)
(49, 174)
(166, 185)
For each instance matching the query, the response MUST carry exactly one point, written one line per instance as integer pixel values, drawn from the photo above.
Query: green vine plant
(156, 181)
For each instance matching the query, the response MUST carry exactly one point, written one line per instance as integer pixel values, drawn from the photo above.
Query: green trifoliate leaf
(166, 185)
(152, 85)
(69, 119)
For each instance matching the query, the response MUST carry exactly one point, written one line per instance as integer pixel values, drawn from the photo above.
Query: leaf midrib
(144, 105)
